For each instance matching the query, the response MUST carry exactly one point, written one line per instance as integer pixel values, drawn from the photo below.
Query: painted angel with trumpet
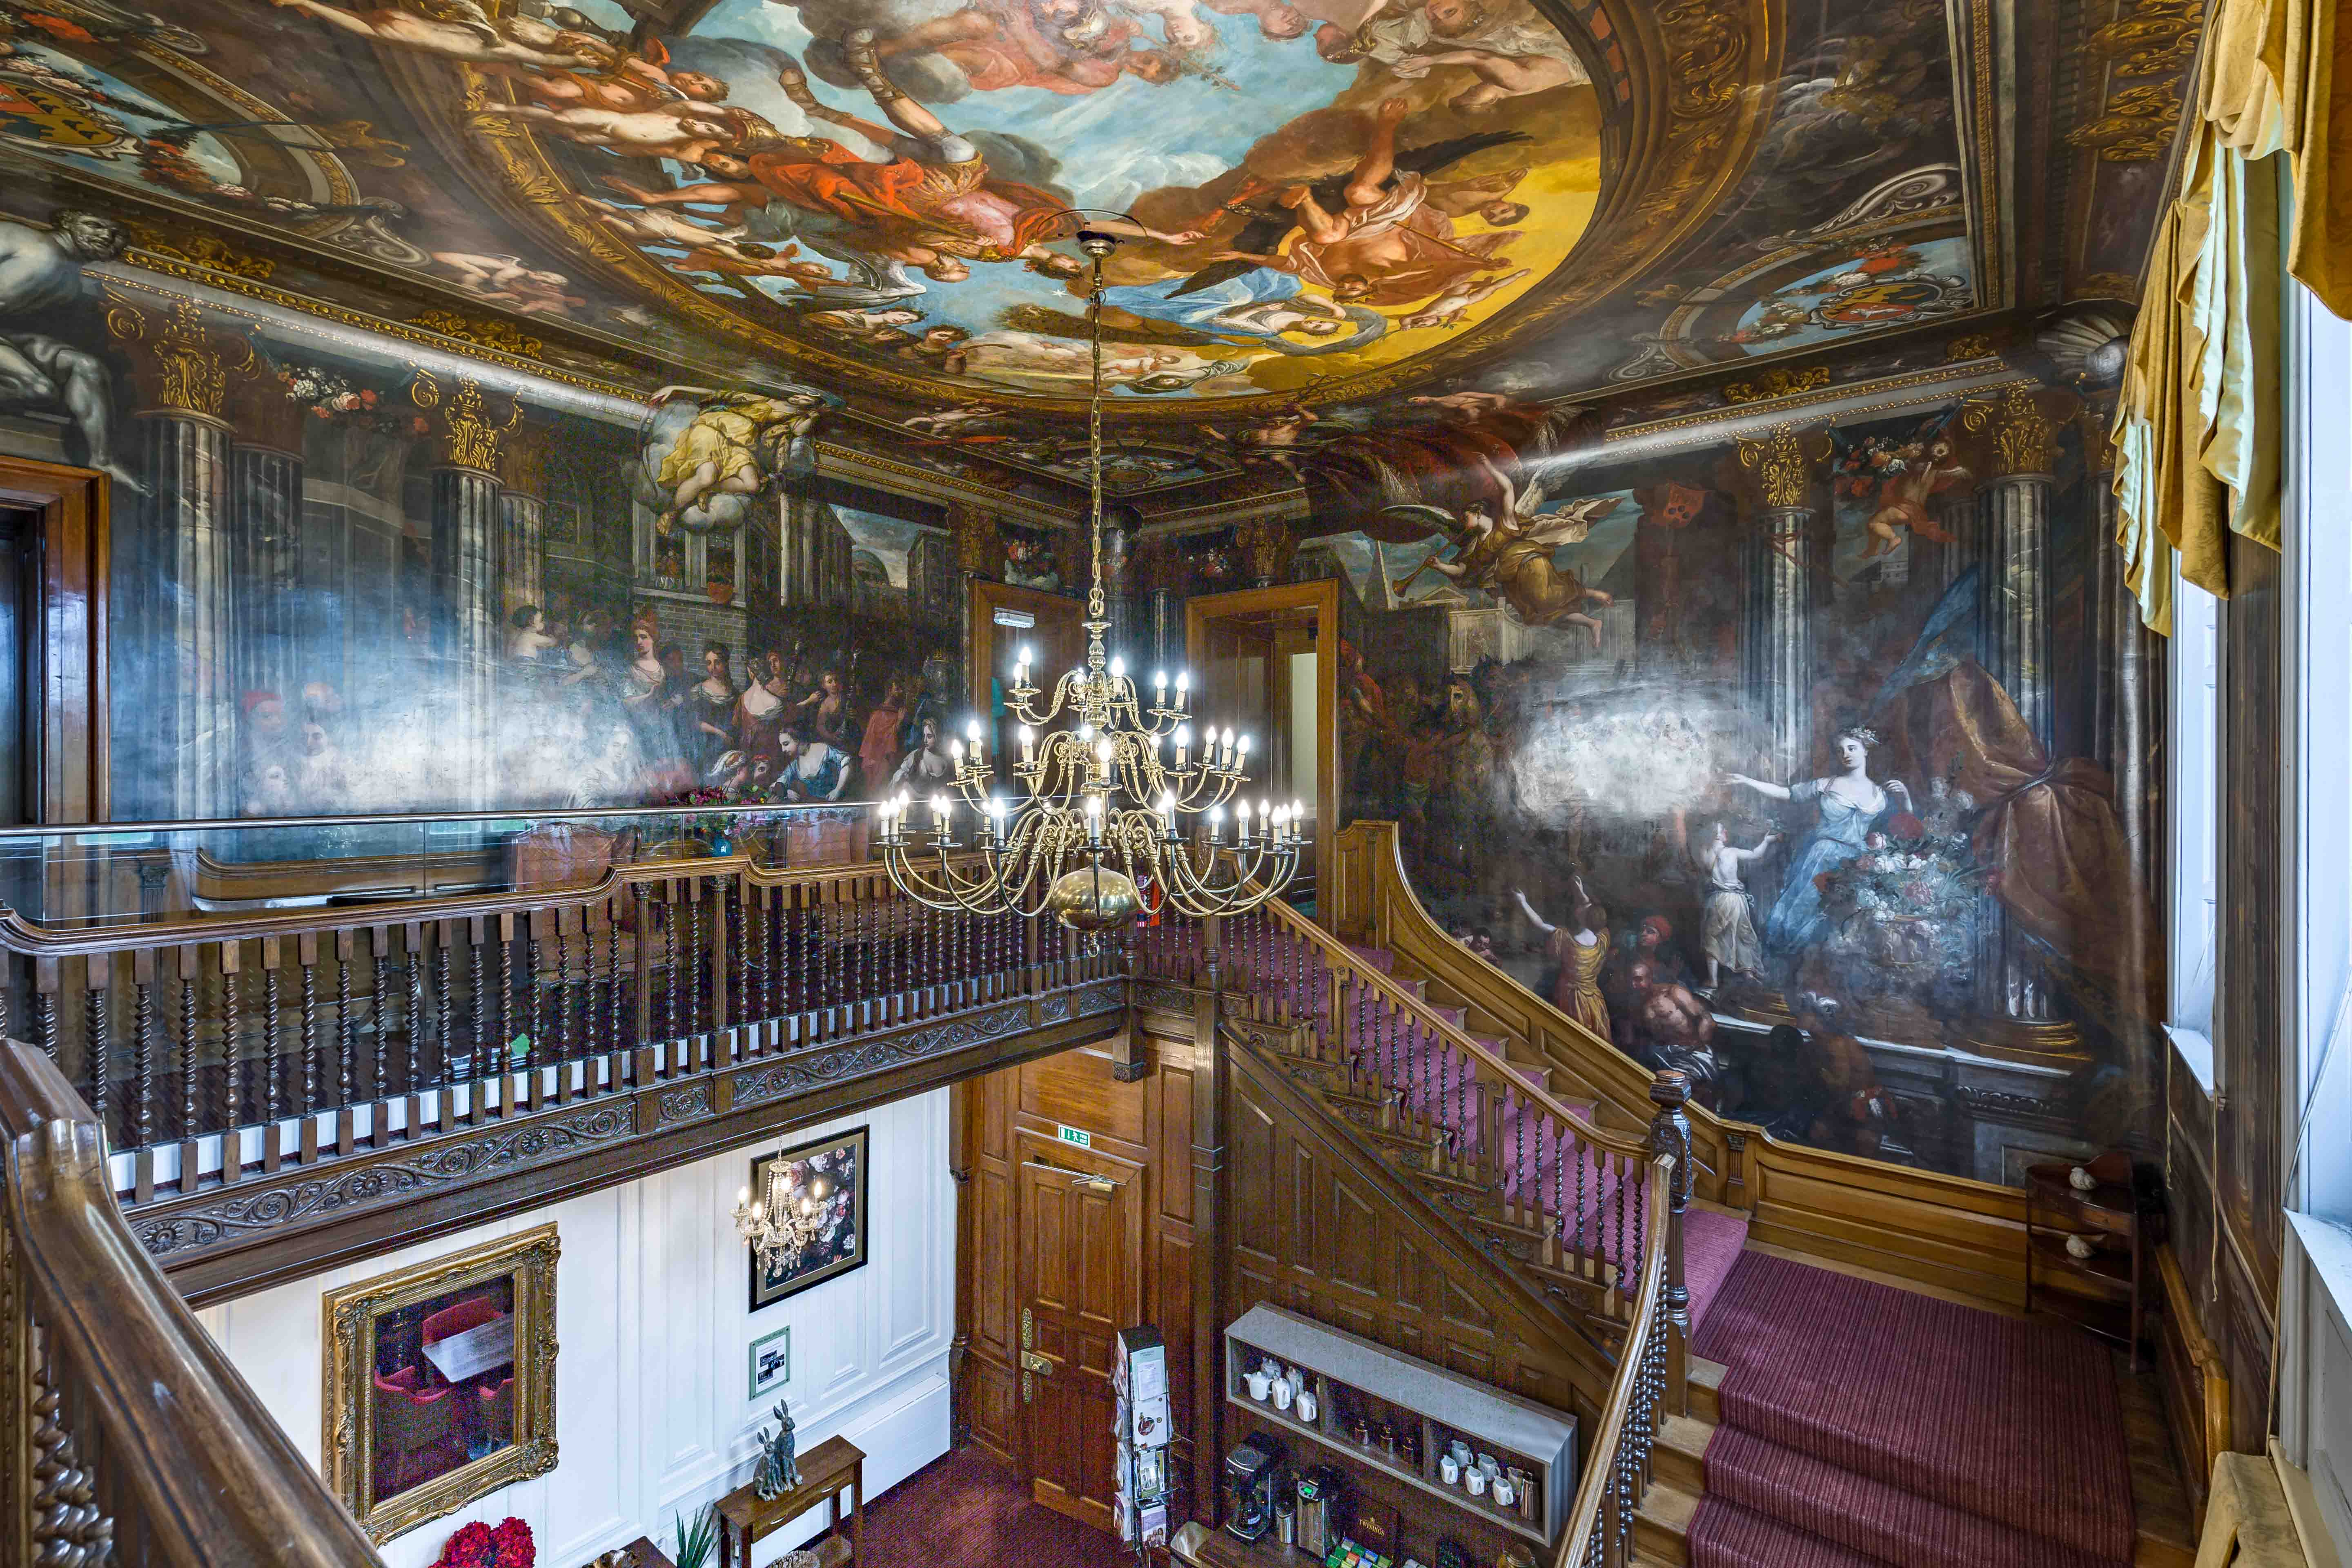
(1508, 552)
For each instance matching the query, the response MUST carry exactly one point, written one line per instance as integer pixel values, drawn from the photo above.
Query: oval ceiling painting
(1300, 191)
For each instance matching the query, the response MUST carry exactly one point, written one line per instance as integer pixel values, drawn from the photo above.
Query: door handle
(1043, 1365)
(1095, 1185)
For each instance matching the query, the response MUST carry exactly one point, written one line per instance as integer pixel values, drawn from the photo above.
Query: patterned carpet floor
(1864, 1424)
(964, 1509)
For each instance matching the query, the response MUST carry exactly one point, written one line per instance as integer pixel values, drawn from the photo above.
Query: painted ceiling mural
(1321, 206)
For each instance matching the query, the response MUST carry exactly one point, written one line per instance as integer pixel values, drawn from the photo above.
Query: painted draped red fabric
(2048, 834)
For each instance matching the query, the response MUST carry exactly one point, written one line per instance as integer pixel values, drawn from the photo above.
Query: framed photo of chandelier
(812, 1224)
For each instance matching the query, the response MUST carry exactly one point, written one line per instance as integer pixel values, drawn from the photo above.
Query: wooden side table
(834, 1467)
(2111, 1209)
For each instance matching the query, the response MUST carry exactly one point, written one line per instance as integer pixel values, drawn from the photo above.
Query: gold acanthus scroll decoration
(2021, 434)
(191, 371)
(472, 439)
(2137, 125)
(2158, 39)
(1784, 472)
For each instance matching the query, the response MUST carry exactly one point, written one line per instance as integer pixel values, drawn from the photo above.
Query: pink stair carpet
(1580, 1190)
(1865, 1426)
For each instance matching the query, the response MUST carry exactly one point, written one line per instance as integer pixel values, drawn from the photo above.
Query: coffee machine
(1322, 1510)
(1250, 1471)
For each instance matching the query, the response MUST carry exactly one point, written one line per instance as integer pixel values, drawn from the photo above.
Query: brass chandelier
(1126, 809)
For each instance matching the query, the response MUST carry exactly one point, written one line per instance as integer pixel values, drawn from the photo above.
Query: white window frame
(2315, 1351)
(2193, 754)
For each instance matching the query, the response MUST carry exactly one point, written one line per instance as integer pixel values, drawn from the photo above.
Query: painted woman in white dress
(1848, 805)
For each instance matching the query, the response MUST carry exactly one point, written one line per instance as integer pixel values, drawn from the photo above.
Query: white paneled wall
(651, 1407)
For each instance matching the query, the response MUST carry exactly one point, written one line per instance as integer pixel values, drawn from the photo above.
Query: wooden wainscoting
(1034, 1220)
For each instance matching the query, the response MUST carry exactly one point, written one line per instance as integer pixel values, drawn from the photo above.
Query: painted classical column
(266, 473)
(1936, 562)
(522, 528)
(2016, 1008)
(467, 514)
(1776, 622)
(187, 698)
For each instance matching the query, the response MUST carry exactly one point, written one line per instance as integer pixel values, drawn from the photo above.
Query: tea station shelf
(1349, 1370)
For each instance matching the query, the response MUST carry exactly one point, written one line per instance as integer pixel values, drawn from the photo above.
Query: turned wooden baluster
(379, 943)
(142, 1060)
(232, 959)
(346, 1040)
(98, 974)
(192, 980)
(477, 946)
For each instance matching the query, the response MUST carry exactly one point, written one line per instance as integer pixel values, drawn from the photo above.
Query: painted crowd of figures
(590, 714)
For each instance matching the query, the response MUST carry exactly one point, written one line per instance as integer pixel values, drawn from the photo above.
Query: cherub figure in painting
(461, 30)
(734, 444)
(1923, 469)
(1512, 558)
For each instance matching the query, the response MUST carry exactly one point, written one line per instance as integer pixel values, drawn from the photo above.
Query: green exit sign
(1078, 1135)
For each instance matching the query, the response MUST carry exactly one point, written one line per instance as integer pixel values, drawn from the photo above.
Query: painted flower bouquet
(507, 1544)
(1905, 904)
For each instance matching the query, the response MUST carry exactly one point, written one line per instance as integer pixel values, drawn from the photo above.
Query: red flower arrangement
(478, 1545)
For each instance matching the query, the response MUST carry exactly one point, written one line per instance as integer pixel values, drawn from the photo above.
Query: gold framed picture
(441, 1382)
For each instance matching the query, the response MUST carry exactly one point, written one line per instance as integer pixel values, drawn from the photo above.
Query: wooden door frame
(1322, 596)
(69, 636)
(982, 599)
(1029, 1148)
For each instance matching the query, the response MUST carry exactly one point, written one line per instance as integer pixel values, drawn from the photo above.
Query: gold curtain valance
(2198, 423)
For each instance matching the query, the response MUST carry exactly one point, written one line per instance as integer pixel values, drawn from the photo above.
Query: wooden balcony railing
(1600, 1532)
(1486, 1122)
(128, 1437)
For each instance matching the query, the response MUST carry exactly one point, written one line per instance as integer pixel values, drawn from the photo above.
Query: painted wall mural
(355, 579)
(1791, 761)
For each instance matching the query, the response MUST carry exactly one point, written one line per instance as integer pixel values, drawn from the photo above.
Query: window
(2193, 748)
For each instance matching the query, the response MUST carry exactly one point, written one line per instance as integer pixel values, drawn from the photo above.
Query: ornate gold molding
(2022, 433)
(2137, 125)
(2156, 38)
(189, 371)
(470, 439)
(979, 550)
(1267, 544)
(1777, 384)
(483, 332)
(348, 1445)
(1782, 466)
(1976, 345)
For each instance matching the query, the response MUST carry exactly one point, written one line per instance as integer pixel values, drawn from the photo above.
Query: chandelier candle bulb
(1183, 687)
(1028, 746)
(1183, 745)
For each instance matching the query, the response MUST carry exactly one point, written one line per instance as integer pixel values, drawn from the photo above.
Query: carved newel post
(1670, 1133)
(1776, 621)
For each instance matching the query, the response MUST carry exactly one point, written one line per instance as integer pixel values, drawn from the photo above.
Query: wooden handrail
(1337, 954)
(1625, 1414)
(18, 935)
(147, 1434)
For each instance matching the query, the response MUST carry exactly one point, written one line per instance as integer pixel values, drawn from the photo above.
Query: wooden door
(1267, 659)
(1055, 633)
(1078, 1241)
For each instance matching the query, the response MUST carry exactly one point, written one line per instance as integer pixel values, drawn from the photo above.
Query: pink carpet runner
(1865, 1426)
